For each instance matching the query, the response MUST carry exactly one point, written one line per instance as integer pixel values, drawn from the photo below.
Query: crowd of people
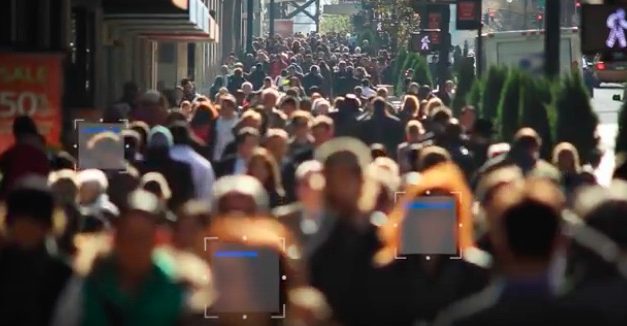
(298, 152)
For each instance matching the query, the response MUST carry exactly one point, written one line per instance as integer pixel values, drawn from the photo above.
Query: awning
(177, 20)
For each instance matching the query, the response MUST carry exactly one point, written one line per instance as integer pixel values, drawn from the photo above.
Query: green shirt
(157, 301)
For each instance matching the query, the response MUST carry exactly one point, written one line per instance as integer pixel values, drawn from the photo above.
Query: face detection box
(100, 146)
(430, 227)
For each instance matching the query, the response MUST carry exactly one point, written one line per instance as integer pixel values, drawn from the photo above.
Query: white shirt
(224, 135)
(240, 166)
(368, 92)
(202, 171)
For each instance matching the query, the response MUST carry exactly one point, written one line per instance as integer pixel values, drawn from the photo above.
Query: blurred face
(343, 187)
(269, 101)
(277, 146)
(258, 168)
(88, 193)
(566, 161)
(188, 88)
(27, 233)
(467, 119)
(227, 109)
(251, 122)
(321, 135)
(288, 108)
(248, 146)
(309, 189)
(301, 128)
(237, 203)
(186, 109)
(413, 136)
(247, 88)
(134, 242)
(267, 83)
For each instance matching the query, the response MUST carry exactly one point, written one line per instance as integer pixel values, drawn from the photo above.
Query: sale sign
(30, 84)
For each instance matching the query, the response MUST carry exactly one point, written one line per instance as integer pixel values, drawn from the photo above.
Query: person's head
(301, 121)
(160, 139)
(92, 184)
(264, 168)
(188, 85)
(250, 119)
(414, 131)
(431, 156)
(247, 88)
(410, 105)
(29, 209)
(276, 143)
(186, 109)
(314, 69)
(64, 186)
(204, 115)
(238, 72)
(413, 89)
(467, 118)
(449, 86)
(321, 107)
(156, 184)
(310, 184)
(24, 126)
(152, 108)
(181, 134)
(322, 130)
(294, 82)
(527, 227)
(224, 70)
(228, 106)
(239, 194)
(289, 105)
(135, 235)
(247, 139)
(143, 130)
(344, 160)
(268, 83)
(269, 98)
(527, 144)
(379, 105)
(566, 158)
(382, 92)
(378, 150)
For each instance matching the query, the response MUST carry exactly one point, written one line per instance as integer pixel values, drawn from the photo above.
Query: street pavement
(607, 110)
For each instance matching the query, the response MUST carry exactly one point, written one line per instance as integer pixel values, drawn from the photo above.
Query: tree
(621, 137)
(475, 94)
(465, 81)
(493, 89)
(335, 23)
(422, 75)
(576, 121)
(509, 107)
(534, 110)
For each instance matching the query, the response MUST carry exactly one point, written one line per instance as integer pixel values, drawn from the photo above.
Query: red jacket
(19, 161)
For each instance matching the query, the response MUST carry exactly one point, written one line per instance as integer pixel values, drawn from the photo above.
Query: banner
(30, 84)
(284, 27)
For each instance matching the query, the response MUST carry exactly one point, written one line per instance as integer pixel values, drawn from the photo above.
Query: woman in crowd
(263, 166)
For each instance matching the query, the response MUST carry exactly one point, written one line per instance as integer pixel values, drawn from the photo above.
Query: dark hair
(531, 217)
(185, 81)
(180, 133)
(23, 125)
(20, 205)
(63, 160)
(289, 100)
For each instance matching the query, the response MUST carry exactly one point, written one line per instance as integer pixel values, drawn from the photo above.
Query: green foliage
(465, 82)
(621, 137)
(475, 94)
(509, 107)
(335, 23)
(536, 100)
(493, 89)
(576, 121)
(421, 70)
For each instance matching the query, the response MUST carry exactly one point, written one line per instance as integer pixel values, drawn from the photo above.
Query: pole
(479, 51)
(249, 26)
(445, 44)
(271, 29)
(526, 17)
(552, 39)
(317, 16)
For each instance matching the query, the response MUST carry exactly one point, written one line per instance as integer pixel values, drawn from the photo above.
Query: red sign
(434, 22)
(466, 10)
(30, 84)
(284, 27)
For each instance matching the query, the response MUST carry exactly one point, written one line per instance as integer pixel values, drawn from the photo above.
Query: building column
(181, 60)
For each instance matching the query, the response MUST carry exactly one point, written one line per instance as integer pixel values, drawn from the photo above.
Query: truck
(525, 50)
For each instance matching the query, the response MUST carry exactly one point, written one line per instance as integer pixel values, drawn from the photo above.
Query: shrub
(493, 89)
(509, 107)
(533, 110)
(466, 80)
(576, 121)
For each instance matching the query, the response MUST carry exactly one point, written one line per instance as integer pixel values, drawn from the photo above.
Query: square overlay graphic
(97, 149)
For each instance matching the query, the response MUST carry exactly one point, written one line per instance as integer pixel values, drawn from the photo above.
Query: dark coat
(177, 174)
(381, 127)
(312, 79)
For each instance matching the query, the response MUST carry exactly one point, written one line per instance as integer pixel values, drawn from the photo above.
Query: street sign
(468, 14)
(423, 42)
